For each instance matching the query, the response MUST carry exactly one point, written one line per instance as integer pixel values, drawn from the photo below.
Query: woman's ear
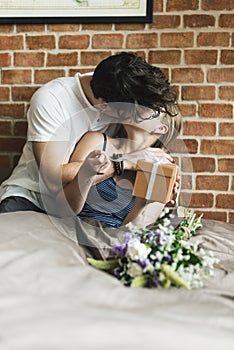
(163, 129)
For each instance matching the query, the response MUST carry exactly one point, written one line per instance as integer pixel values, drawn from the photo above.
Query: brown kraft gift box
(154, 181)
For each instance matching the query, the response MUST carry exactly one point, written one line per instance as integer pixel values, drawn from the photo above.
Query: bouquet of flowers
(161, 255)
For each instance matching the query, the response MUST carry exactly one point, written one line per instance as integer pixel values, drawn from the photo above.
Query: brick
(97, 26)
(30, 28)
(91, 58)
(226, 92)
(226, 20)
(198, 164)
(186, 182)
(45, 75)
(20, 128)
(5, 59)
(197, 21)
(5, 127)
(4, 93)
(215, 110)
(142, 40)
(62, 59)
(213, 215)
(226, 165)
(200, 56)
(220, 75)
(187, 110)
(107, 41)
(14, 110)
(29, 59)
(23, 93)
(183, 39)
(38, 42)
(232, 188)
(200, 92)
(165, 57)
(73, 71)
(5, 166)
(187, 75)
(182, 5)
(213, 39)
(14, 42)
(158, 6)
(199, 128)
(12, 144)
(217, 5)
(80, 41)
(5, 160)
(63, 27)
(184, 146)
(127, 26)
(165, 21)
(217, 146)
(197, 200)
(231, 218)
(16, 76)
(226, 129)
(6, 28)
(225, 201)
(227, 57)
(214, 182)
(16, 159)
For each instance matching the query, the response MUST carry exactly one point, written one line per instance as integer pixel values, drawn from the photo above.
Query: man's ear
(163, 129)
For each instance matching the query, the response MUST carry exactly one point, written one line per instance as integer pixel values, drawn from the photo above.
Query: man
(63, 110)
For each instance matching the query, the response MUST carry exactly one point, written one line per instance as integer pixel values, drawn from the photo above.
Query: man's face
(134, 114)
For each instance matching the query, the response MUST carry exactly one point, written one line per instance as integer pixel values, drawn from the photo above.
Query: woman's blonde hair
(174, 124)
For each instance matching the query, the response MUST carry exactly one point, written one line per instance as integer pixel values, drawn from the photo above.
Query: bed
(50, 298)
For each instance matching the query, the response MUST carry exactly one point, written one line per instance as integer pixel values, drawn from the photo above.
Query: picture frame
(75, 11)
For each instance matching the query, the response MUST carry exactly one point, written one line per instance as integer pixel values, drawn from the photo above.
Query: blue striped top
(107, 202)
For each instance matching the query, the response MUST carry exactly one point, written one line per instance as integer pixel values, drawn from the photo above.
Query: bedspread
(51, 299)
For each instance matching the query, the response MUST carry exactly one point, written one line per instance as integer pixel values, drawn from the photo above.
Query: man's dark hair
(126, 77)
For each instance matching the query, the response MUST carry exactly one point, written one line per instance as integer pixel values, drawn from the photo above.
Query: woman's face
(151, 124)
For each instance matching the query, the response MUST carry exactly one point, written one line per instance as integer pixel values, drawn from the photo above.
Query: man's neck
(85, 84)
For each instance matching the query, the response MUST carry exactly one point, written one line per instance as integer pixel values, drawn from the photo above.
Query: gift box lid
(164, 169)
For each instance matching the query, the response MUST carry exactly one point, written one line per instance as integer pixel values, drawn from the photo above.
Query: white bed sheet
(51, 299)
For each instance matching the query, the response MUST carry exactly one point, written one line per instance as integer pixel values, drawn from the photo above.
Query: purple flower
(120, 250)
(116, 274)
(155, 281)
(169, 258)
(143, 263)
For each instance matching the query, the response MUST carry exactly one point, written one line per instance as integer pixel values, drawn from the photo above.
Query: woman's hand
(175, 190)
(96, 163)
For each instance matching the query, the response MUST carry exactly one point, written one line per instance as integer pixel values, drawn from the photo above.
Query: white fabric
(59, 111)
(50, 299)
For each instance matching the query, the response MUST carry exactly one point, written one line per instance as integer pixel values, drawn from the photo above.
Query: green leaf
(174, 276)
(103, 264)
(139, 281)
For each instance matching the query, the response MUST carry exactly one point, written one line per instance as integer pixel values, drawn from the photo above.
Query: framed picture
(75, 11)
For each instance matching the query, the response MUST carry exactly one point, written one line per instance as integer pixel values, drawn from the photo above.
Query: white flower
(149, 267)
(137, 250)
(135, 269)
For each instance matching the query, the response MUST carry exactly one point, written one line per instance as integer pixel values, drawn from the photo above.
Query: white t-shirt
(59, 111)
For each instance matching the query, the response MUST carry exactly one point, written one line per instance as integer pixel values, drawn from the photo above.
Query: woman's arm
(88, 153)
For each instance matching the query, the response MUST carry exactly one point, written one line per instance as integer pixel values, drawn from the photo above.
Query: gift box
(154, 181)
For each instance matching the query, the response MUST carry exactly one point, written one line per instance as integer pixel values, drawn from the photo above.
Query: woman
(110, 201)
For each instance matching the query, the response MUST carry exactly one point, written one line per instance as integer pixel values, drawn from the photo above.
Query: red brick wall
(191, 40)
